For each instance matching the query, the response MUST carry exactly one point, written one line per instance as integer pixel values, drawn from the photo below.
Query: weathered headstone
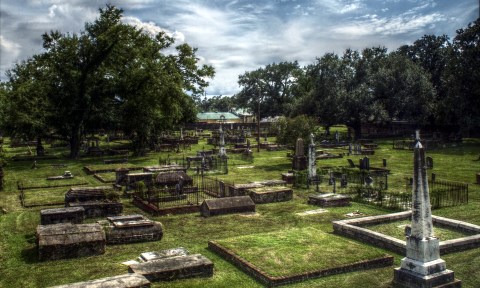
(299, 161)
(222, 151)
(429, 162)
(422, 266)
(366, 163)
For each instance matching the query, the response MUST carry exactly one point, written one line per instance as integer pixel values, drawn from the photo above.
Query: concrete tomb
(81, 194)
(99, 208)
(422, 267)
(66, 240)
(227, 205)
(74, 215)
(131, 229)
(270, 194)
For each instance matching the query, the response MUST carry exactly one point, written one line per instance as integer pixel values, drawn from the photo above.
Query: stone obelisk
(422, 267)
(223, 151)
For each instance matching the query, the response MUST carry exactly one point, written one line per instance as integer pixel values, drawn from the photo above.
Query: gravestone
(121, 176)
(227, 205)
(82, 194)
(350, 149)
(422, 266)
(429, 162)
(366, 163)
(66, 240)
(299, 161)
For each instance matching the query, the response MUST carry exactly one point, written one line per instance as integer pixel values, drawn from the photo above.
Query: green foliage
(288, 130)
(272, 89)
(111, 75)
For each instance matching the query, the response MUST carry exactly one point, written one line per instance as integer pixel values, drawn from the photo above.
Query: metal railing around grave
(444, 193)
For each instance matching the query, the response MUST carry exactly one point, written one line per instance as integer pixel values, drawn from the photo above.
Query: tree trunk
(75, 141)
(357, 128)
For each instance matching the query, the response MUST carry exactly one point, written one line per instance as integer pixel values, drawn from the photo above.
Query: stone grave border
(272, 281)
(23, 198)
(101, 179)
(352, 228)
(90, 170)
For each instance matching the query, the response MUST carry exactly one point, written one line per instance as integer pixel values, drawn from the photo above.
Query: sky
(235, 36)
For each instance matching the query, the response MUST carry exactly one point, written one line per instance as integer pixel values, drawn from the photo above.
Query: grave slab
(131, 280)
(174, 268)
(329, 200)
(99, 208)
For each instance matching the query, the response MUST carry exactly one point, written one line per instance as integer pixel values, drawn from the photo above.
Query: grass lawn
(19, 265)
(298, 250)
(397, 229)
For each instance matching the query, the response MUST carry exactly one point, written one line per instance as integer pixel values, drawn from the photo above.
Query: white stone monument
(312, 166)
(223, 151)
(422, 267)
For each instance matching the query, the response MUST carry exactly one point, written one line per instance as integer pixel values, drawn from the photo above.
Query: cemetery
(120, 168)
(260, 225)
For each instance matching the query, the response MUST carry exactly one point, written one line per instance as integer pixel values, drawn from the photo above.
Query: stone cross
(422, 267)
(312, 167)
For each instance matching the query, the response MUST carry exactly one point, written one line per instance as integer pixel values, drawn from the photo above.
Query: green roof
(216, 116)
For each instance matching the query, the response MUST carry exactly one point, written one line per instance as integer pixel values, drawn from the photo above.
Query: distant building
(215, 117)
(244, 115)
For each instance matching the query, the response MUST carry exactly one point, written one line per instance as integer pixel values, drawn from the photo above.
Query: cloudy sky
(236, 36)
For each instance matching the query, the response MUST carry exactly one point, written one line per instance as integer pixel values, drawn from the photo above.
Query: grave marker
(422, 267)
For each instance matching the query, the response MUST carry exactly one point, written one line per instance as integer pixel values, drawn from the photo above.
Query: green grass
(397, 229)
(296, 251)
(20, 267)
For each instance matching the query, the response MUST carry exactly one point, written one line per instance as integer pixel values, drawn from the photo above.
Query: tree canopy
(109, 75)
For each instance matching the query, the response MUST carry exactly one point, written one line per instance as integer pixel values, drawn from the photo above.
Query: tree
(25, 108)
(151, 91)
(272, 88)
(462, 103)
(288, 130)
(328, 85)
(110, 74)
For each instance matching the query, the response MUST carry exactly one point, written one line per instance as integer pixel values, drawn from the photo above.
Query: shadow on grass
(30, 255)
(278, 167)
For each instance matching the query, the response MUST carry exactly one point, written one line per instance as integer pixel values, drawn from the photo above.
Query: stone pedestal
(299, 163)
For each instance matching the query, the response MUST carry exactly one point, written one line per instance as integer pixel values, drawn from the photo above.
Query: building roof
(216, 116)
